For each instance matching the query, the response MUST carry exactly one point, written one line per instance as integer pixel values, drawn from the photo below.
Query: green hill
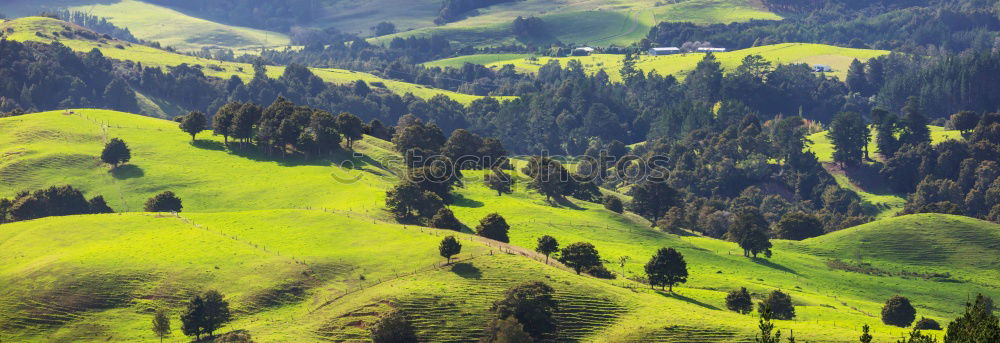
(252, 227)
(47, 30)
(680, 65)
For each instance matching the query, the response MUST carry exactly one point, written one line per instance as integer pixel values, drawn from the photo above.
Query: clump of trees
(739, 301)
(52, 201)
(613, 204)
(205, 313)
(778, 304)
(408, 202)
(751, 232)
(798, 226)
(166, 201)
(666, 268)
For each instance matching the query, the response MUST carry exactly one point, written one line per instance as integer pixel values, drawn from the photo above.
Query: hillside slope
(287, 265)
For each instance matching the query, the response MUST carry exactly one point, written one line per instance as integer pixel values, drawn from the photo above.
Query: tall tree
(848, 133)
(915, 131)
(705, 81)
(449, 247)
(978, 324)
(739, 301)
(499, 181)
(205, 314)
(193, 123)
(666, 268)
(856, 80)
(351, 127)
(885, 132)
(547, 245)
(750, 231)
(548, 177)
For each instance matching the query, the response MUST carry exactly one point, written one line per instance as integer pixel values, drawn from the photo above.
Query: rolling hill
(679, 65)
(288, 240)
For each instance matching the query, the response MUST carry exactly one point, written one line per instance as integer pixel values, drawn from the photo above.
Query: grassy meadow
(303, 255)
(680, 65)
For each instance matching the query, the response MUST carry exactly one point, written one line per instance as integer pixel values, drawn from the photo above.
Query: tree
(866, 336)
(849, 135)
(798, 226)
(856, 80)
(613, 204)
(351, 127)
(97, 205)
(548, 177)
(927, 324)
(965, 121)
(193, 123)
(463, 148)
(445, 219)
(163, 202)
(652, 198)
(499, 181)
(915, 131)
(393, 327)
(885, 133)
(547, 245)
(205, 313)
(383, 28)
(161, 324)
(494, 227)
(506, 331)
(779, 304)
(767, 332)
(705, 81)
(666, 268)
(532, 304)
(580, 256)
(115, 153)
(739, 301)
(898, 312)
(407, 201)
(222, 122)
(323, 127)
(751, 232)
(978, 324)
(917, 337)
(449, 247)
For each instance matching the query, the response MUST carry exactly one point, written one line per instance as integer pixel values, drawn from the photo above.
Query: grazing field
(587, 22)
(680, 65)
(181, 31)
(254, 227)
(28, 29)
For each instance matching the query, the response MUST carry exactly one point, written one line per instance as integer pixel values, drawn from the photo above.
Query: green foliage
(964, 121)
(351, 127)
(445, 219)
(506, 331)
(393, 327)
(926, 324)
(547, 245)
(407, 201)
(161, 324)
(914, 124)
(163, 202)
(739, 301)
(52, 201)
(849, 135)
(652, 198)
(750, 231)
(767, 332)
(205, 313)
(798, 226)
(533, 305)
(449, 247)
(866, 336)
(548, 177)
(193, 123)
(666, 268)
(116, 152)
(580, 256)
(494, 227)
(777, 305)
(978, 324)
(613, 204)
(916, 336)
(898, 312)
(499, 181)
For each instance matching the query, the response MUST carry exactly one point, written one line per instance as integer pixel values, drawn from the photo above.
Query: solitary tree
(898, 312)
(193, 123)
(666, 268)
(393, 328)
(739, 301)
(164, 202)
(532, 304)
(449, 247)
(204, 314)
(445, 219)
(383, 28)
(351, 127)
(547, 245)
(580, 256)
(494, 227)
(161, 324)
(116, 152)
(548, 177)
(779, 304)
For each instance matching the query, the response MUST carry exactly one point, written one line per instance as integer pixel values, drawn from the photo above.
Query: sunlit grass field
(254, 227)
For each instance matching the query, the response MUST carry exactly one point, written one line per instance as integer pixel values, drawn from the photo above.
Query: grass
(590, 22)
(181, 31)
(680, 65)
(252, 229)
(25, 29)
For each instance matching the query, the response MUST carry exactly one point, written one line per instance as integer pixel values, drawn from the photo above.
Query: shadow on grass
(209, 145)
(768, 263)
(128, 171)
(466, 270)
(686, 299)
(462, 201)
(564, 202)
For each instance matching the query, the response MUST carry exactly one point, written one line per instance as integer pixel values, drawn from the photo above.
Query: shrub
(780, 305)
(599, 271)
(739, 301)
(898, 312)
(613, 204)
(532, 305)
(392, 328)
(445, 219)
(927, 324)
(494, 227)
(507, 331)
(164, 202)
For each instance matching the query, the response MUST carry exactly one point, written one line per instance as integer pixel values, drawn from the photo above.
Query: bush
(780, 305)
(898, 312)
(445, 219)
(164, 202)
(392, 328)
(599, 271)
(494, 227)
(927, 324)
(613, 204)
(739, 301)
